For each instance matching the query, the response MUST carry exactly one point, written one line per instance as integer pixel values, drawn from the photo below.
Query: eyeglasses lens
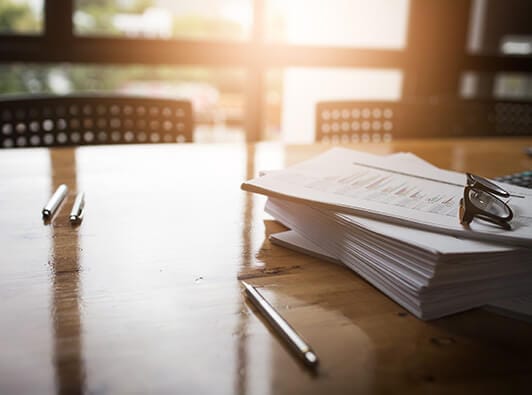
(488, 185)
(488, 203)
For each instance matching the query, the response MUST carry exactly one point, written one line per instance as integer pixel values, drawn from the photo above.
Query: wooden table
(143, 296)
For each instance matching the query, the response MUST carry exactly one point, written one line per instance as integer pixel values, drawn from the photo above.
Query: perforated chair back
(511, 118)
(89, 120)
(350, 121)
(356, 121)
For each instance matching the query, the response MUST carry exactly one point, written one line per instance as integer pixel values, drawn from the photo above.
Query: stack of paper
(403, 238)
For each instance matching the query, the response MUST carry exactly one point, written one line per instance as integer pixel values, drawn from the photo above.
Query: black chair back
(376, 121)
(89, 120)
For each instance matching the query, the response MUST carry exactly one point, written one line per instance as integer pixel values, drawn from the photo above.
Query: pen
(76, 215)
(302, 349)
(54, 202)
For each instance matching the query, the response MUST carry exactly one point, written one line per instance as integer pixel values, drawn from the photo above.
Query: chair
(93, 119)
(376, 121)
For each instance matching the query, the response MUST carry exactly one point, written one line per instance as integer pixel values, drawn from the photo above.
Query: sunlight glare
(350, 23)
(241, 13)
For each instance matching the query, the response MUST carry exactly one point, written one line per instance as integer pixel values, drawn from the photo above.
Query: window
(216, 94)
(298, 90)
(294, 91)
(500, 27)
(344, 23)
(199, 19)
(501, 85)
(250, 65)
(21, 16)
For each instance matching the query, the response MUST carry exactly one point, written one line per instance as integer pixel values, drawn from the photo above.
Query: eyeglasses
(480, 200)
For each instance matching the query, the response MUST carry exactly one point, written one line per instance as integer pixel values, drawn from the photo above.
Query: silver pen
(302, 349)
(76, 214)
(54, 202)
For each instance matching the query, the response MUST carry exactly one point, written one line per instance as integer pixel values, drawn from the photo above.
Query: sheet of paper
(417, 266)
(519, 307)
(399, 286)
(436, 243)
(367, 185)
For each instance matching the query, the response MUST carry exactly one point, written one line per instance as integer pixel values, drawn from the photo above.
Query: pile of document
(394, 221)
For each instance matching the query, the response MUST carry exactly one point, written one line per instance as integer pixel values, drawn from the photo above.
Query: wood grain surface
(143, 296)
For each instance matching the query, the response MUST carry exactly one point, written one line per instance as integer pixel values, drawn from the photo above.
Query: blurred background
(255, 69)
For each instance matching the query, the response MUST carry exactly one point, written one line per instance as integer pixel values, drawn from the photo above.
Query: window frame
(432, 61)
